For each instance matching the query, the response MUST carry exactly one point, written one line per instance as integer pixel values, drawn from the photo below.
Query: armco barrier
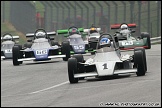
(156, 40)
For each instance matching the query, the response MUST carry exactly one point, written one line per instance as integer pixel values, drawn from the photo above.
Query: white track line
(49, 87)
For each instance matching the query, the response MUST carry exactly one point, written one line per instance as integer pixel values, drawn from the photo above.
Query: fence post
(3, 11)
(124, 15)
(63, 16)
(132, 10)
(148, 21)
(158, 16)
(68, 2)
(116, 12)
(94, 12)
(87, 12)
(81, 11)
(63, 2)
(139, 17)
(108, 16)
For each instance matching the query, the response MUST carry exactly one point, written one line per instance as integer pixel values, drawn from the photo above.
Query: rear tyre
(72, 69)
(139, 62)
(146, 35)
(66, 50)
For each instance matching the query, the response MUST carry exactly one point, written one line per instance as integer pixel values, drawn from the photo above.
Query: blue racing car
(42, 47)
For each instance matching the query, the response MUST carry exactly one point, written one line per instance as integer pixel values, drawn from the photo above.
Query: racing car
(107, 61)
(93, 35)
(7, 42)
(77, 44)
(40, 48)
(126, 38)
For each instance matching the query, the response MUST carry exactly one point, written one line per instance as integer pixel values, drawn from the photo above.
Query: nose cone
(80, 49)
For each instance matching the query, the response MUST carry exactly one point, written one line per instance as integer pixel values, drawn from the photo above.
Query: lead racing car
(107, 61)
(41, 48)
(7, 42)
(127, 40)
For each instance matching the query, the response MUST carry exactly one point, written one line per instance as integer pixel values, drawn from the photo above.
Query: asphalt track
(46, 85)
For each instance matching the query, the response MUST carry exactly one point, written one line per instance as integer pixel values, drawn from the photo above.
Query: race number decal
(79, 47)
(105, 66)
(8, 51)
(127, 43)
(41, 52)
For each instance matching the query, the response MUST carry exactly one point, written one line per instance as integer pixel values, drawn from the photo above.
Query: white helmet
(7, 37)
(40, 34)
(123, 27)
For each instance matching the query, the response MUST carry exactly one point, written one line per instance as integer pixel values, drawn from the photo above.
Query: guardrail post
(158, 16)
(139, 17)
(116, 12)
(94, 12)
(87, 12)
(124, 15)
(148, 21)
(108, 23)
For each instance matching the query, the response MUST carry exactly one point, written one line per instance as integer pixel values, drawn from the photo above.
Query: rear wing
(14, 37)
(87, 30)
(33, 34)
(117, 26)
(65, 31)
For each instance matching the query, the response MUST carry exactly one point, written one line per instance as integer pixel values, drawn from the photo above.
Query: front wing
(104, 69)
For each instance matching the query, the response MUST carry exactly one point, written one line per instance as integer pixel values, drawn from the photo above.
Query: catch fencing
(27, 16)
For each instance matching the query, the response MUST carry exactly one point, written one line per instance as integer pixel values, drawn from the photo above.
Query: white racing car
(7, 42)
(107, 61)
(93, 35)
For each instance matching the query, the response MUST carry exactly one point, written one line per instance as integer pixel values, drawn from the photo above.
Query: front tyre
(144, 55)
(139, 62)
(15, 54)
(66, 50)
(72, 69)
(81, 68)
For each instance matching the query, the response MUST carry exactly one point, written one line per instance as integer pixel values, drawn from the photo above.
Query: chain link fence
(63, 14)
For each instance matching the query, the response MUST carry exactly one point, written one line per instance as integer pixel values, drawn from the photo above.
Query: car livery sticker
(8, 51)
(41, 54)
(127, 43)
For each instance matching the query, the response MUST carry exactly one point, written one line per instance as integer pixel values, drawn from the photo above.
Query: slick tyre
(139, 62)
(15, 54)
(144, 56)
(148, 42)
(72, 69)
(53, 43)
(66, 50)
(80, 68)
(146, 35)
(28, 45)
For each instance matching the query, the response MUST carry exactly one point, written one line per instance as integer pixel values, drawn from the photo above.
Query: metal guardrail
(156, 40)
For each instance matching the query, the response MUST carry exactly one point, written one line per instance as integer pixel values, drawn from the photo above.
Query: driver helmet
(7, 37)
(73, 31)
(40, 34)
(105, 42)
(93, 30)
(124, 27)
